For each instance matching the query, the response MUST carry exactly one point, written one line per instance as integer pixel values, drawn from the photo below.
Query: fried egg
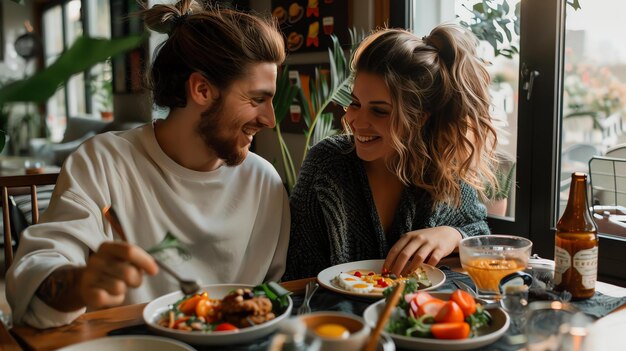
(353, 283)
(333, 331)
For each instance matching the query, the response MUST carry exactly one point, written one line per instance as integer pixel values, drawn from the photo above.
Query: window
(594, 102)
(63, 22)
(503, 68)
(537, 117)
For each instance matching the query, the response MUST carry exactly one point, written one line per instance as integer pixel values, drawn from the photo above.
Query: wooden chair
(28, 183)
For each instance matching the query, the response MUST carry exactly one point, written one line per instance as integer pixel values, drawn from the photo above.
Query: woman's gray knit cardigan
(334, 218)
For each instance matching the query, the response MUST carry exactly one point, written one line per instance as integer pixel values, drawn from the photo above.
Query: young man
(190, 174)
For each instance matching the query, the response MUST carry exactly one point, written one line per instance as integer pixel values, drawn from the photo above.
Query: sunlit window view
(83, 95)
(594, 98)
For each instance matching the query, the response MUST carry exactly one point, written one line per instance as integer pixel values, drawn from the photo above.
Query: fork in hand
(188, 287)
(310, 289)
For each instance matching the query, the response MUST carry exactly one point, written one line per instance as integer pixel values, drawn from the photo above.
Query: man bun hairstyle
(219, 43)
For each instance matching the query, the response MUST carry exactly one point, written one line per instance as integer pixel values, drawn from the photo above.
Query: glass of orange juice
(489, 258)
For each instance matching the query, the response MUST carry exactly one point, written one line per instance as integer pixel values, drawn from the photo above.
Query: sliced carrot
(188, 306)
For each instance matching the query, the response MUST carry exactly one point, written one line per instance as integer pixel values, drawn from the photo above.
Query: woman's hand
(416, 247)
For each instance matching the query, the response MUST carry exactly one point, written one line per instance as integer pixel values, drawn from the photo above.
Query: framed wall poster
(308, 24)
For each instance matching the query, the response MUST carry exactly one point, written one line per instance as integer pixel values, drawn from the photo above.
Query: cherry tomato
(450, 313)
(358, 274)
(431, 307)
(450, 330)
(225, 327)
(465, 301)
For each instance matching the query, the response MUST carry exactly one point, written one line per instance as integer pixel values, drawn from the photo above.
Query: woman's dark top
(334, 219)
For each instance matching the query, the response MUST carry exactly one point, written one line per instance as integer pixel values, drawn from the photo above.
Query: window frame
(542, 31)
(86, 30)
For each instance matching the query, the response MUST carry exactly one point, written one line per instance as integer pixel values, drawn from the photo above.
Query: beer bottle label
(562, 262)
(586, 263)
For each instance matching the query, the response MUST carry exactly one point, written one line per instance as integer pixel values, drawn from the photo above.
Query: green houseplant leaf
(84, 53)
(324, 88)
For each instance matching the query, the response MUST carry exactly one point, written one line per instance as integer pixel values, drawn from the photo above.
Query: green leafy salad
(420, 314)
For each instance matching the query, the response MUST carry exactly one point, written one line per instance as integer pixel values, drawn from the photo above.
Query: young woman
(404, 183)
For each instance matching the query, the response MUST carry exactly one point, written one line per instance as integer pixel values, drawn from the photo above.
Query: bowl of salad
(220, 314)
(440, 321)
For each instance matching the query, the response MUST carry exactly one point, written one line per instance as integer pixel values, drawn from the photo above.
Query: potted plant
(325, 89)
(83, 54)
(498, 198)
(102, 90)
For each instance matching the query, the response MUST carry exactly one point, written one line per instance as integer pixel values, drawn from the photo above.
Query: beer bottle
(576, 245)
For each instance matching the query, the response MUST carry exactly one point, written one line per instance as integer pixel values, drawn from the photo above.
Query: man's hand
(416, 247)
(110, 271)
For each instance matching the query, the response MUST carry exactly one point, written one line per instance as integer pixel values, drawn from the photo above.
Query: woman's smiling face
(369, 117)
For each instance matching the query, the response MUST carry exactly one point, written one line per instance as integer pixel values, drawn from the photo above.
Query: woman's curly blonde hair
(441, 128)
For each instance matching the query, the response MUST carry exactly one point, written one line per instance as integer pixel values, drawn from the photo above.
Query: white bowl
(130, 343)
(487, 334)
(359, 331)
(153, 311)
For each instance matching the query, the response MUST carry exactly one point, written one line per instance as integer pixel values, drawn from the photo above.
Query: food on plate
(365, 281)
(240, 308)
(420, 314)
(332, 330)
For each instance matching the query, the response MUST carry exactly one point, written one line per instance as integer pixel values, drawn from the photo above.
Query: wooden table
(89, 326)
(97, 324)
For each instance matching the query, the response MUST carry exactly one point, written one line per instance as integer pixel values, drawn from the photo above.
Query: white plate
(153, 311)
(326, 277)
(130, 343)
(487, 334)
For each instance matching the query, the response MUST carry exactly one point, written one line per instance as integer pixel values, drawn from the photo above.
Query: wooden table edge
(93, 325)
(98, 324)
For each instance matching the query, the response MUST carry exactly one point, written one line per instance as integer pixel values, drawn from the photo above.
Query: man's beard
(219, 135)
